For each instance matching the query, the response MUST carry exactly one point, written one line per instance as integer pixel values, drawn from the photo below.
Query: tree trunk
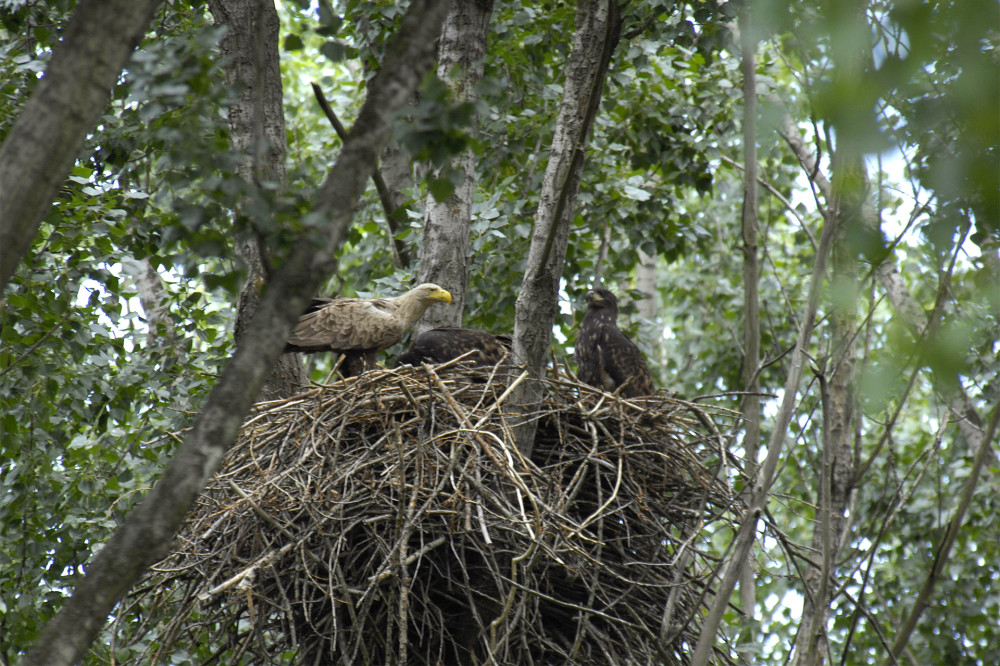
(397, 174)
(44, 142)
(761, 482)
(148, 531)
(837, 468)
(903, 302)
(645, 281)
(598, 27)
(752, 413)
(444, 250)
(837, 381)
(257, 134)
(152, 296)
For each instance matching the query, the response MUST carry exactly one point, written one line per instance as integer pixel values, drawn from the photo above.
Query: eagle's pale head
(430, 292)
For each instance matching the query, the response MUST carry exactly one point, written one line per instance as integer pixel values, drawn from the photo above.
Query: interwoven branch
(389, 519)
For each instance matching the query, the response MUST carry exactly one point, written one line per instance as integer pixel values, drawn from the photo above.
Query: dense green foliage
(92, 397)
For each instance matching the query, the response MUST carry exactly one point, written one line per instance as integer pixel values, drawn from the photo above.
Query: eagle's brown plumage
(605, 357)
(445, 343)
(360, 328)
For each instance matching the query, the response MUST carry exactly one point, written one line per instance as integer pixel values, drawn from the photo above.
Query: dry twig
(388, 518)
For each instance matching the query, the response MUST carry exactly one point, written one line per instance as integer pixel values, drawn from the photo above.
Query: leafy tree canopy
(98, 375)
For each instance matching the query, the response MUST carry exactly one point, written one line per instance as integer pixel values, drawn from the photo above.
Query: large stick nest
(389, 519)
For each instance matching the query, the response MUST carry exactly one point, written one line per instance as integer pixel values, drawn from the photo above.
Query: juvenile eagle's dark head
(605, 357)
(602, 301)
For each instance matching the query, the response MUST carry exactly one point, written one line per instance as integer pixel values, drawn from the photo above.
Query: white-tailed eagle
(445, 343)
(359, 328)
(605, 357)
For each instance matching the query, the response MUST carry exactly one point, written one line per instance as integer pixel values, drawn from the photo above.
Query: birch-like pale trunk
(257, 134)
(836, 479)
(597, 29)
(910, 311)
(152, 296)
(645, 281)
(837, 372)
(760, 486)
(444, 249)
(751, 407)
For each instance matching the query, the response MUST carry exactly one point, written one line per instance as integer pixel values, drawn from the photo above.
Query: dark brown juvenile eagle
(359, 328)
(605, 357)
(445, 343)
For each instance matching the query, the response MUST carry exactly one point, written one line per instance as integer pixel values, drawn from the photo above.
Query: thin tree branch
(765, 475)
(944, 549)
(400, 254)
(30, 350)
(602, 253)
(889, 278)
(780, 197)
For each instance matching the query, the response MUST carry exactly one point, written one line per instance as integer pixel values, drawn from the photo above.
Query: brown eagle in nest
(359, 328)
(443, 344)
(605, 357)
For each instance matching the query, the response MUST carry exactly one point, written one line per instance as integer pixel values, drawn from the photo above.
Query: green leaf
(441, 188)
(333, 50)
(636, 193)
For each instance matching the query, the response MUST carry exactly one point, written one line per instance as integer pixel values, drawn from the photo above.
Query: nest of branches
(389, 519)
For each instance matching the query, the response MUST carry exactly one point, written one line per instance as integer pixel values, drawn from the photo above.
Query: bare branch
(765, 475)
(944, 548)
(902, 300)
(400, 253)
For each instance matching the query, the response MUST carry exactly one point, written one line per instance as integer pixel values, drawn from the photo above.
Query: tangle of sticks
(386, 519)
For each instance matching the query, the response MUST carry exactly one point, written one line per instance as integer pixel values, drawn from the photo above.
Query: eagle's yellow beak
(441, 295)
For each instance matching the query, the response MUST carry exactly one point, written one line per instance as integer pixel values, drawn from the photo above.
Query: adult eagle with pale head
(445, 343)
(359, 328)
(605, 357)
